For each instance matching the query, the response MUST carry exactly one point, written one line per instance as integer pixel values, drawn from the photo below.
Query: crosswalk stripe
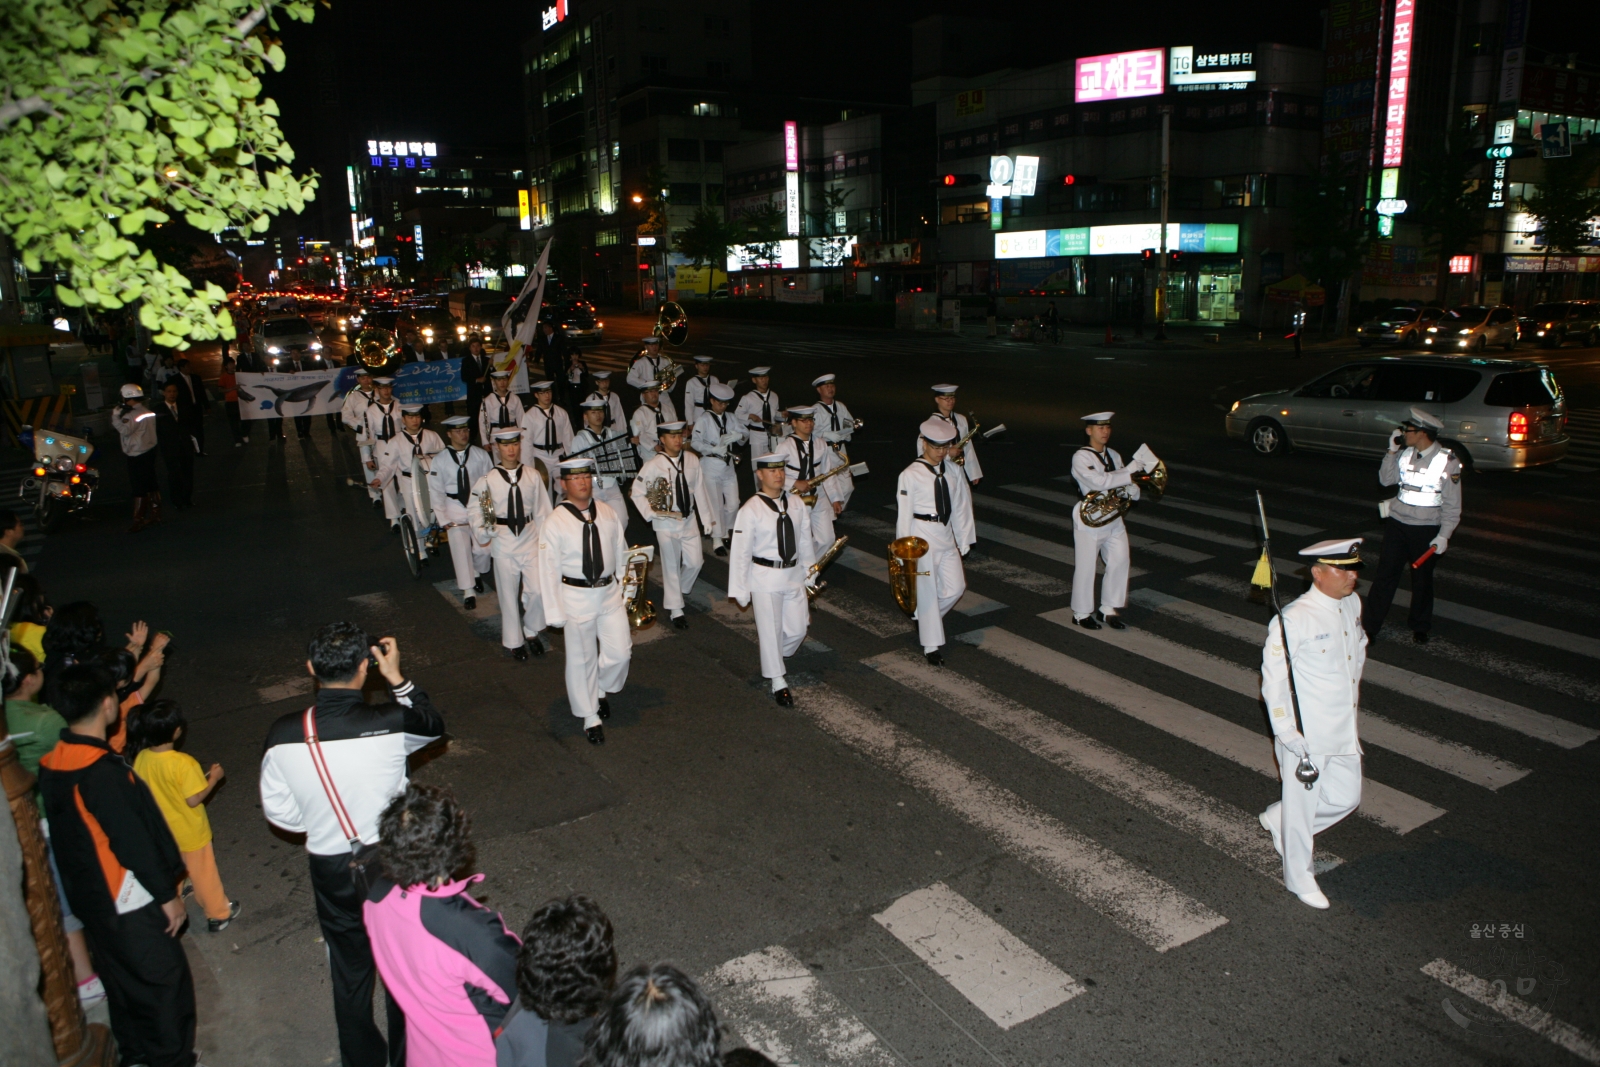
(1137, 901)
(971, 603)
(1450, 757)
(1214, 821)
(777, 1005)
(1384, 805)
(1039, 546)
(852, 609)
(1002, 977)
(1138, 518)
(1062, 522)
(1504, 624)
(1519, 1011)
(714, 602)
(1452, 697)
(976, 561)
(1230, 515)
(1530, 543)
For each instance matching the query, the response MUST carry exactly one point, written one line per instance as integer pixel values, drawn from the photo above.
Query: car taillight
(80, 468)
(1517, 427)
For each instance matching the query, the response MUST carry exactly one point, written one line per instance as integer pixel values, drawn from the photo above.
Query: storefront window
(1216, 295)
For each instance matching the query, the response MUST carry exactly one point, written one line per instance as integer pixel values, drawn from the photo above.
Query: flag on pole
(1262, 578)
(519, 332)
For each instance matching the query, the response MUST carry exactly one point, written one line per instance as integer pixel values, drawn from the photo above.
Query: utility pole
(1166, 180)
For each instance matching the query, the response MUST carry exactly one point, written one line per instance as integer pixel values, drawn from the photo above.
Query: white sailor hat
(653, 339)
(499, 374)
(702, 359)
(1099, 418)
(601, 375)
(1423, 420)
(509, 434)
(823, 380)
(802, 411)
(946, 389)
(383, 381)
(652, 386)
(1343, 553)
(671, 427)
(770, 460)
(412, 409)
(456, 422)
(938, 431)
(363, 372)
(541, 387)
(722, 391)
(577, 465)
(595, 402)
(131, 392)
(760, 372)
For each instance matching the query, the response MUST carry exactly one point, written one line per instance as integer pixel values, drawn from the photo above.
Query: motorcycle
(61, 480)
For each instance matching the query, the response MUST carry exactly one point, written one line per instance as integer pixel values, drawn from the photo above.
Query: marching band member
(501, 409)
(507, 507)
(1326, 649)
(836, 427)
(616, 419)
(760, 414)
(1096, 466)
(935, 504)
(806, 458)
(546, 430)
(716, 434)
(607, 487)
(383, 423)
(697, 390)
(395, 458)
(944, 402)
(677, 538)
(770, 567)
(353, 415)
(646, 367)
(450, 480)
(654, 409)
(583, 553)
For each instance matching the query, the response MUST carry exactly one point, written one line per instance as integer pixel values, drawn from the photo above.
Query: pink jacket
(450, 963)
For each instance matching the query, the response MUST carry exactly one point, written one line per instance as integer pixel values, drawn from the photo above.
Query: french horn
(904, 552)
(374, 346)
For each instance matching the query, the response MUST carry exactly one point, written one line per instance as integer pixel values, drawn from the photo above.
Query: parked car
(1498, 414)
(1403, 326)
(1570, 320)
(287, 342)
(1473, 328)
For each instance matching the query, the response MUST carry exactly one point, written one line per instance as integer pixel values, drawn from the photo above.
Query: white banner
(313, 392)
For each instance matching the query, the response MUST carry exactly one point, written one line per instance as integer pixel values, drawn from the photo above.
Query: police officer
(451, 476)
(1097, 467)
(1319, 638)
(1418, 522)
(935, 504)
(518, 501)
(677, 531)
(716, 435)
(769, 567)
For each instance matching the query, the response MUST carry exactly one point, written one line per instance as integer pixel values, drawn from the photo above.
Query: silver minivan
(1498, 414)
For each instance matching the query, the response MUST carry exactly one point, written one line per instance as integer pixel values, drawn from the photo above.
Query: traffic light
(950, 181)
(1078, 179)
(1507, 151)
(1148, 255)
(1174, 259)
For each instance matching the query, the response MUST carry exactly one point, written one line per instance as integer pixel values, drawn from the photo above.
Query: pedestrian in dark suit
(555, 350)
(475, 367)
(192, 395)
(176, 444)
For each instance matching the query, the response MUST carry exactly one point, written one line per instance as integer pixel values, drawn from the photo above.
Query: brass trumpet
(903, 555)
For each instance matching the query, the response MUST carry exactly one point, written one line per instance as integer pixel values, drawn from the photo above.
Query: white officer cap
(595, 402)
(771, 459)
(651, 340)
(671, 427)
(802, 411)
(938, 431)
(383, 381)
(131, 392)
(499, 374)
(722, 392)
(511, 434)
(541, 387)
(577, 465)
(760, 372)
(1099, 418)
(411, 409)
(823, 380)
(601, 375)
(1423, 420)
(946, 389)
(1336, 553)
(456, 422)
(702, 359)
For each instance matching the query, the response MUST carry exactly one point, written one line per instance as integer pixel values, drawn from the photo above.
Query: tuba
(1101, 507)
(812, 589)
(374, 346)
(672, 323)
(641, 612)
(903, 555)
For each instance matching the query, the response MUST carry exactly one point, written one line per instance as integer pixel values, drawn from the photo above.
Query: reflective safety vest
(1423, 488)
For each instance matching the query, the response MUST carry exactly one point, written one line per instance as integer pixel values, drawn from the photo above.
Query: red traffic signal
(1174, 258)
(1148, 255)
(1071, 179)
(949, 179)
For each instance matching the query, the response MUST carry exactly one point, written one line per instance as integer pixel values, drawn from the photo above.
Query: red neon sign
(1394, 123)
(791, 146)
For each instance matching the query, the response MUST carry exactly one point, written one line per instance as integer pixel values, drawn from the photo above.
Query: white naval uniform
(752, 410)
(352, 414)
(697, 396)
(1327, 650)
(515, 552)
(1108, 542)
(778, 593)
(594, 619)
(496, 414)
(645, 421)
(451, 498)
(970, 464)
(394, 467)
(607, 487)
(836, 426)
(383, 423)
(644, 370)
(945, 580)
(542, 429)
(616, 418)
(715, 437)
(677, 540)
(809, 459)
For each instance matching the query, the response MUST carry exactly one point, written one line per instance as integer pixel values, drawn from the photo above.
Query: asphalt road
(1045, 853)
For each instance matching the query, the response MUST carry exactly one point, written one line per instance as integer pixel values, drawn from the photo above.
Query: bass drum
(409, 544)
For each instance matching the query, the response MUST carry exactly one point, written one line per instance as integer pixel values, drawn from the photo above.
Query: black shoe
(934, 658)
(1087, 622)
(534, 646)
(1111, 620)
(395, 528)
(596, 735)
(216, 926)
(680, 623)
(720, 552)
(1419, 636)
(605, 708)
(518, 654)
(477, 584)
(784, 697)
(470, 603)
(377, 505)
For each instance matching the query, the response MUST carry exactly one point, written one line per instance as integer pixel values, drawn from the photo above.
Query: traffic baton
(1425, 557)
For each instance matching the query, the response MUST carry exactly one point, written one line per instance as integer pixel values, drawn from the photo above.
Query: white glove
(1439, 545)
(1295, 742)
(1395, 440)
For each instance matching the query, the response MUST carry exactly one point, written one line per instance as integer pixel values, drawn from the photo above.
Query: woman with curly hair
(448, 961)
(565, 971)
(658, 1017)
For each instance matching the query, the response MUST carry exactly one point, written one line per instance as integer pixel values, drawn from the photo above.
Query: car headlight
(273, 350)
(63, 463)
(1433, 329)
(1464, 332)
(1539, 333)
(1234, 408)
(428, 333)
(316, 346)
(344, 322)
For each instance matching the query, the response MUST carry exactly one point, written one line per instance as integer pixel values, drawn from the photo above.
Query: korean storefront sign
(1119, 75)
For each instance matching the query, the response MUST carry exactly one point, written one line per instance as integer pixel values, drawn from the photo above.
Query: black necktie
(766, 407)
(785, 532)
(607, 399)
(416, 444)
(502, 419)
(594, 562)
(461, 477)
(657, 413)
(941, 494)
(516, 514)
(550, 431)
(388, 422)
(681, 486)
(808, 462)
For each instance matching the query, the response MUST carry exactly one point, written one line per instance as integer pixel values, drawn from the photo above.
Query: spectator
(181, 789)
(364, 748)
(177, 444)
(31, 616)
(566, 968)
(193, 400)
(658, 1017)
(11, 535)
(228, 382)
(449, 962)
(76, 635)
(136, 427)
(120, 869)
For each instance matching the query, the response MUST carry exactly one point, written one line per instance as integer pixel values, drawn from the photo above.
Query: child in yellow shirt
(180, 791)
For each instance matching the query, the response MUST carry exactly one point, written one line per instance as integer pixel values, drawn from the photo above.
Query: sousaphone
(672, 324)
(375, 346)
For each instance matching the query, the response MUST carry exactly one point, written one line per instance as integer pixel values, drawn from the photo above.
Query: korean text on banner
(433, 382)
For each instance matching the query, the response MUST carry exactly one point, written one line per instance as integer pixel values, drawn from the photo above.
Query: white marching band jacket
(715, 436)
(755, 536)
(500, 485)
(1327, 650)
(811, 459)
(917, 497)
(688, 465)
(561, 555)
(447, 493)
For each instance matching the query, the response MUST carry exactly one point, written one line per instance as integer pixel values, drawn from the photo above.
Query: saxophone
(812, 589)
(810, 495)
(958, 451)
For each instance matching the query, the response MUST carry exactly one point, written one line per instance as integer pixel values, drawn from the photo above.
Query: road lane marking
(1386, 806)
(777, 1005)
(1504, 624)
(1226, 828)
(1137, 901)
(986, 963)
(971, 603)
(1039, 546)
(976, 562)
(1063, 522)
(1519, 1011)
(714, 602)
(877, 621)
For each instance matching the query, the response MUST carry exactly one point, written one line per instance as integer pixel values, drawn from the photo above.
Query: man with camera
(328, 771)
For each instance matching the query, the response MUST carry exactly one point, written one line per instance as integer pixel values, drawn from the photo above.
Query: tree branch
(252, 20)
(30, 105)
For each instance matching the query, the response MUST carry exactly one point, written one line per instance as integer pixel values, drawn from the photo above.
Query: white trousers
(521, 613)
(469, 560)
(937, 590)
(1303, 813)
(822, 533)
(1091, 543)
(393, 504)
(364, 450)
(782, 618)
(722, 483)
(682, 556)
(598, 643)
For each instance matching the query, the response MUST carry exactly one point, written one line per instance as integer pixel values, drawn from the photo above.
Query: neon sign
(1119, 75)
(1394, 123)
